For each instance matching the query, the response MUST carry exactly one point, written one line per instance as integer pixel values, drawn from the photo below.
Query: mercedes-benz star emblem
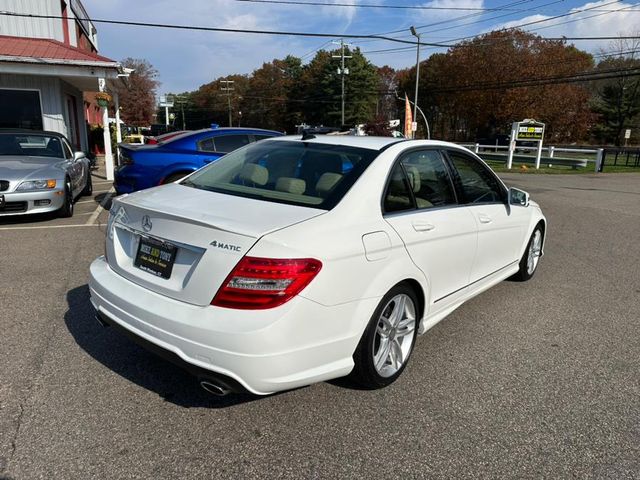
(146, 223)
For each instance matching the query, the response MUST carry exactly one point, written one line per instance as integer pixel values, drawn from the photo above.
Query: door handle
(423, 227)
(484, 218)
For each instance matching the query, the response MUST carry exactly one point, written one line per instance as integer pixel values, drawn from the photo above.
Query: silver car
(39, 172)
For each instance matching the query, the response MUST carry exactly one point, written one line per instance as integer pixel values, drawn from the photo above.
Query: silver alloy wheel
(535, 249)
(393, 340)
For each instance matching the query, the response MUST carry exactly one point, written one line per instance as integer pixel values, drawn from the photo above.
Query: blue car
(150, 165)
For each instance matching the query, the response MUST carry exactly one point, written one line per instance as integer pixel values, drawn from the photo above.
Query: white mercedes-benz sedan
(297, 260)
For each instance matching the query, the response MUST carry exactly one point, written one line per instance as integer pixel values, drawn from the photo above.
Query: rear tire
(531, 256)
(67, 209)
(387, 342)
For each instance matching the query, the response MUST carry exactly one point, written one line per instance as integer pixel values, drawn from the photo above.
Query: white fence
(591, 155)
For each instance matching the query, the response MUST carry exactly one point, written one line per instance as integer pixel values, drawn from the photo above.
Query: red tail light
(260, 283)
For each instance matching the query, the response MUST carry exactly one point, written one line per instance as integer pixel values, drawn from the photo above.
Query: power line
(371, 5)
(380, 6)
(225, 30)
(631, 37)
(567, 14)
(535, 22)
(462, 17)
(532, 82)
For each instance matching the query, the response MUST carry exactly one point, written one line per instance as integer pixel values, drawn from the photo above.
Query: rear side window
(398, 197)
(229, 143)
(429, 179)
(296, 173)
(207, 145)
(475, 181)
(257, 138)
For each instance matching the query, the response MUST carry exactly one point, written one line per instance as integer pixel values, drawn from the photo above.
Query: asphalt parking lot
(535, 380)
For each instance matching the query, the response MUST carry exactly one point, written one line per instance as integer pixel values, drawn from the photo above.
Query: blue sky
(188, 59)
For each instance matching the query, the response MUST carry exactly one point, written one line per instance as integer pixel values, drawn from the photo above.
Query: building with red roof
(48, 60)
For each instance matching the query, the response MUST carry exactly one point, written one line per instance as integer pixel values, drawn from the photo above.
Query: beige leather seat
(414, 182)
(326, 183)
(291, 185)
(255, 175)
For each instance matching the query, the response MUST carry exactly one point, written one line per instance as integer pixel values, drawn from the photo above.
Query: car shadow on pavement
(31, 218)
(127, 359)
(99, 198)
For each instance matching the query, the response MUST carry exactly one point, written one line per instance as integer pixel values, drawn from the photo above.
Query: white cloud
(439, 15)
(592, 23)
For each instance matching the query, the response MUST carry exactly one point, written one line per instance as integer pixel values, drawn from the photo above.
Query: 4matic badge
(226, 246)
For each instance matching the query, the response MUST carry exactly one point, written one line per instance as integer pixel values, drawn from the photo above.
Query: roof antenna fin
(306, 135)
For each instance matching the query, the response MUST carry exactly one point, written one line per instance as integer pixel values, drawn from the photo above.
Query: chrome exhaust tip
(215, 388)
(101, 321)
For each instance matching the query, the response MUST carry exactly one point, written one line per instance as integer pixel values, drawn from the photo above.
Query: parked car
(298, 260)
(39, 172)
(163, 138)
(150, 165)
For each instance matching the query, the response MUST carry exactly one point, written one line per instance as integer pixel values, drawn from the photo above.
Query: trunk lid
(211, 233)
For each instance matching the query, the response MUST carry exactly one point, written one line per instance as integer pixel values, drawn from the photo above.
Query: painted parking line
(92, 219)
(85, 201)
(41, 227)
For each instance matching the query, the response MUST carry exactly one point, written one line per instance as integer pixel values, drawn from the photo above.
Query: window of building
(20, 109)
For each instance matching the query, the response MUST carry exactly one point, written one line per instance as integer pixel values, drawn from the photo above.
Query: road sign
(414, 126)
(627, 134)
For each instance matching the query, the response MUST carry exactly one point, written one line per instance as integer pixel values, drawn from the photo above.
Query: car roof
(369, 142)
(234, 129)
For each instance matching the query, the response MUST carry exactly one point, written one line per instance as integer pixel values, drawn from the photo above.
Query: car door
(75, 168)
(440, 235)
(500, 229)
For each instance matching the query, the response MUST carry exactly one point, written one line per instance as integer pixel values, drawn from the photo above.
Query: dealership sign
(527, 130)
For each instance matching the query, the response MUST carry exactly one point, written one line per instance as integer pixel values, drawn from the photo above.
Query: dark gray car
(39, 172)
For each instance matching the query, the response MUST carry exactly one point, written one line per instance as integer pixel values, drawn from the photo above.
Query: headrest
(291, 185)
(327, 182)
(256, 174)
(414, 177)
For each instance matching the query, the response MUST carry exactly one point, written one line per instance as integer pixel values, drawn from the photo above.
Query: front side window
(475, 181)
(296, 173)
(68, 153)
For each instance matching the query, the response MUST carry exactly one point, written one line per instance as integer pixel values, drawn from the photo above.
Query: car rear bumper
(296, 344)
(22, 203)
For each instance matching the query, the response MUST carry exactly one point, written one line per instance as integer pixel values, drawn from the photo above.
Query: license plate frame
(155, 257)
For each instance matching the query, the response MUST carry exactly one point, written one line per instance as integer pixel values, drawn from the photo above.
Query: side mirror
(518, 197)
(78, 155)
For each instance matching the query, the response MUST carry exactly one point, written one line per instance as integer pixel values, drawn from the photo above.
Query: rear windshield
(295, 173)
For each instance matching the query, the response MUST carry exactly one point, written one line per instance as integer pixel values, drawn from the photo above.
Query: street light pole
(415, 101)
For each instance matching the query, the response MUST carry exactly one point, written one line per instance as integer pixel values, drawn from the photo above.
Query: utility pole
(228, 88)
(342, 71)
(415, 101)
